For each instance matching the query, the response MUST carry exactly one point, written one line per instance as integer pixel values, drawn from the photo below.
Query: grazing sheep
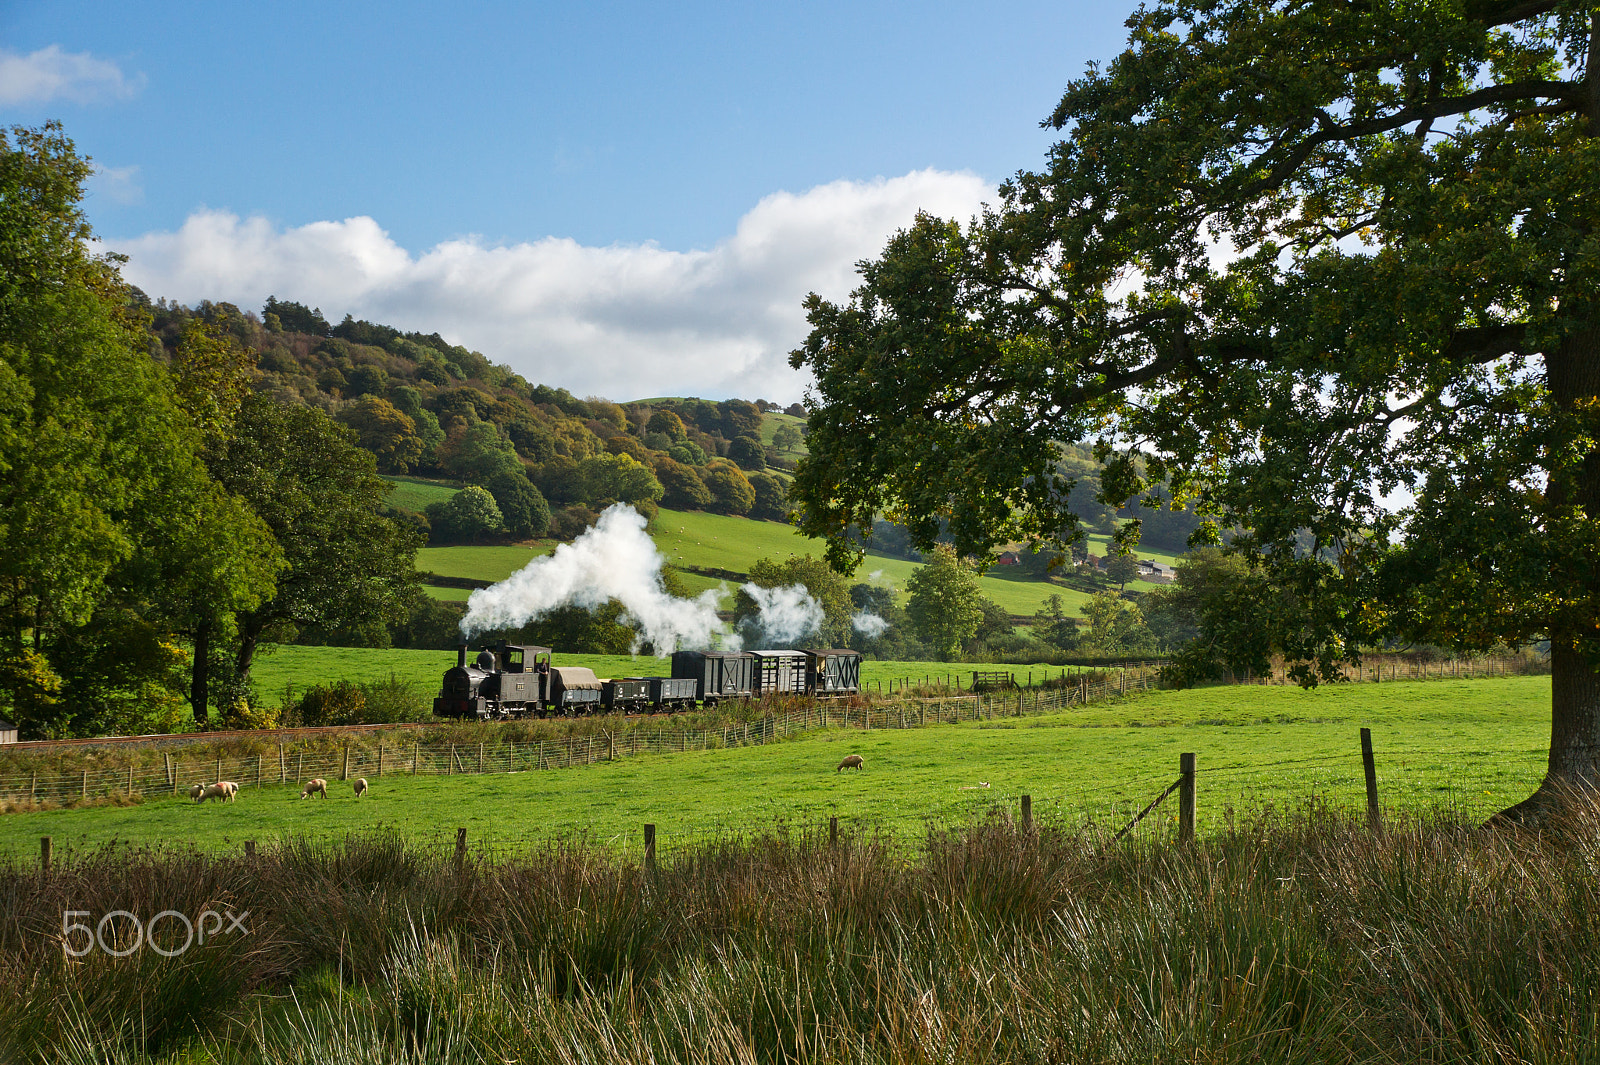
(222, 789)
(194, 792)
(851, 762)
(361, 786)
(315, 786)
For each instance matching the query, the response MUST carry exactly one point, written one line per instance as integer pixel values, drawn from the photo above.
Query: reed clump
(1293, 936)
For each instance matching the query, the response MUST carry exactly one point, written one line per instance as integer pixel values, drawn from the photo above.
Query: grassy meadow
(1466, 747)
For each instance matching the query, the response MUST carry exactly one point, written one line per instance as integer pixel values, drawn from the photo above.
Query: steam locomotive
(508, 680)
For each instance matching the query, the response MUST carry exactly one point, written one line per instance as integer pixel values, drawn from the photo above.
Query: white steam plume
(787, 614)
(614, 560)
(868, 624)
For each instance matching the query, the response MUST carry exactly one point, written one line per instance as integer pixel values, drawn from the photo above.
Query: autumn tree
(1288, 261)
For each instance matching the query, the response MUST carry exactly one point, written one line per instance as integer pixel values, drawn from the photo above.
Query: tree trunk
(248, 635)
(1573, 377)
(200, 680)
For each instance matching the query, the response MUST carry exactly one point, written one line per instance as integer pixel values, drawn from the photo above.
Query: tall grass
(1293, 938)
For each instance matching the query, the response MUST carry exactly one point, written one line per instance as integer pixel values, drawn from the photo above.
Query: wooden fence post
(258, 770)
(480, 756)
(85, 792)
(130, 780)
(283, 768)
(416, 757)
(380, 759)
(833, 831)
(44, 853)
(650, 847)
(218, 777)
(300, 767)
(1027, 813)
(344, 773)
(1186, 798)
(461, 846)
(1368, 764)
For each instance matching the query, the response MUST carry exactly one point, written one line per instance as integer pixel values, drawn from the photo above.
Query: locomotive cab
(504, 680)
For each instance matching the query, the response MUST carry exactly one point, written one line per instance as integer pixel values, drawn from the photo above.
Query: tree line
(545, 462)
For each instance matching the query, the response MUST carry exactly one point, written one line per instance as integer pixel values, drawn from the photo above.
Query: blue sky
(606, 196)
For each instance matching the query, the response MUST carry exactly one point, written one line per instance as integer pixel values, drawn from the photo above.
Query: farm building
(1159, 572)
(8, 731)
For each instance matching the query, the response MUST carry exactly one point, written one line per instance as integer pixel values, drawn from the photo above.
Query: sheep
(361, 786)
(851, 762)
(194, 792)
(315, 786)
(222, 789)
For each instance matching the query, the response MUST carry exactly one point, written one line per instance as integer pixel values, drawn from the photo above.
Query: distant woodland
(550, 460)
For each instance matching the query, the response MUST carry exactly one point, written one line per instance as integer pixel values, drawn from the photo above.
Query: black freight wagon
(629, 693)
(834, 671)
(673, 693)
(717, 674)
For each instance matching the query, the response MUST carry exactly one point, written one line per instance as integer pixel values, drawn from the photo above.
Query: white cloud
(119, 184)
(50, 74)
(625, 321)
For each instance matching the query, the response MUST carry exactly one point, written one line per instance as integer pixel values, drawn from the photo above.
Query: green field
(491, 562)
(415, 493)
(1470, 746)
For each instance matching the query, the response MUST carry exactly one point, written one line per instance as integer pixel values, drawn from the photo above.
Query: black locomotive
(509, 680)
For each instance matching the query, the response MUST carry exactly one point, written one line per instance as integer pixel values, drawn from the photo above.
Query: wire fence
(297, 762)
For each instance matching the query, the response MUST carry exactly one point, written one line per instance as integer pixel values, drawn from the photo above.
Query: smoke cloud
(614, 560)
(868, 625)
(787, 615)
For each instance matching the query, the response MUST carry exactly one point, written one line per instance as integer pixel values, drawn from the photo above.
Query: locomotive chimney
(461, 655)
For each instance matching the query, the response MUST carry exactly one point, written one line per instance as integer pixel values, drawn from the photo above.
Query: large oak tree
(1298, 260)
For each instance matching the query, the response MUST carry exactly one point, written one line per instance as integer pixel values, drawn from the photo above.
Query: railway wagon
(779, 673)
(717, 674)
(627, 694)
(836, 671)
(673, 693)
(574, 690)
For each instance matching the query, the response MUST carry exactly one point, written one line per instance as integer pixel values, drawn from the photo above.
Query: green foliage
(681, 487)
(525, 511)
(1265, 381)
(668, 424)
(1115, 626)
(318, 492)
(730, 490)
(769, 502)
(384, 430)
(30, 696)
(786, 437)
(608, 479)
(944, 608)
(1121, 569)
(476, 452)
(747, 453)
(470, 515)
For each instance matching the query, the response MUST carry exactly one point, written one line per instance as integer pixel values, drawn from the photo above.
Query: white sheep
(360, 786)
(222, 789)
(194, 792)
(315, 786)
